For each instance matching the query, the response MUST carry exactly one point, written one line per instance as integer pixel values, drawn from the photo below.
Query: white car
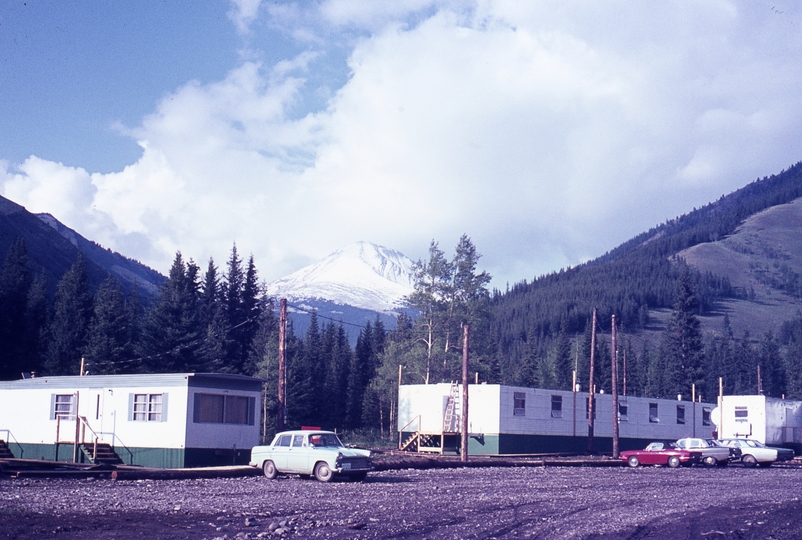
(307, 453)
(756, 453)
(712, 452)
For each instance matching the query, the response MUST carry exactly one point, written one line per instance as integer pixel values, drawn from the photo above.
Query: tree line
(222, 321)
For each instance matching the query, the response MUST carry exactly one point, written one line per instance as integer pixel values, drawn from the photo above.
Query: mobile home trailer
(156, 420)
(519, 420)
(772, 421)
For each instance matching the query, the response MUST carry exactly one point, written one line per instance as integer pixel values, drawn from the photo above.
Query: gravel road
(558, 502)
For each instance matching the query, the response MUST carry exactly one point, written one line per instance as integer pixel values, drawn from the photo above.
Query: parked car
(307, 453)
(712, 452)
(756, 453)
(661, 453)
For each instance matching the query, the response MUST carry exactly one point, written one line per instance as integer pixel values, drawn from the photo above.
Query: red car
(661, 453)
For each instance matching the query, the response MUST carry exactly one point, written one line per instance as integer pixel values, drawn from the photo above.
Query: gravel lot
(521, 502)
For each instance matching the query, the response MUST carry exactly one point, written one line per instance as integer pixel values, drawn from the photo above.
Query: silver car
(307, 453)
(756, 453)
(713, 453)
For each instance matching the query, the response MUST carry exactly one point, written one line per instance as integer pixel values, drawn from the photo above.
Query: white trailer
(518, 420)
(157, 420)
(772, 421)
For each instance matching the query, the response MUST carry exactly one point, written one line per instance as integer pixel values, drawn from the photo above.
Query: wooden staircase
(104, 453)
(5, 451)
(445, 441)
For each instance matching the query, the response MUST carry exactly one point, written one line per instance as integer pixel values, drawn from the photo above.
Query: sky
(549, 132)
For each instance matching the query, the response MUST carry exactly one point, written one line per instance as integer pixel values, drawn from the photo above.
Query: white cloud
(243, 12)
(549, 132)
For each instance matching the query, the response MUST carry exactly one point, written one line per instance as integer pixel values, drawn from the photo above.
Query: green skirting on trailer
(163, 458)
(545, 444)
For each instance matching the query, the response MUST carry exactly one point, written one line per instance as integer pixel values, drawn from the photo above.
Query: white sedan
(756, 453)
(307, 453)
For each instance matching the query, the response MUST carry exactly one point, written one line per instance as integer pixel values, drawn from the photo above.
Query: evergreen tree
(563, 360)
(793, 363)
(172, 334)
(359, 376)
(35, 324)
(72, 313)
(212, 353)
(235, 313)
(109, 347)
(15, 285)
(682, 348)
(771, 369)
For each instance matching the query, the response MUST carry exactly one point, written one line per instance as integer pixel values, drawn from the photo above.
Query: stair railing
(10, 436)
(401, 431)
(116, 447)
(84, 426)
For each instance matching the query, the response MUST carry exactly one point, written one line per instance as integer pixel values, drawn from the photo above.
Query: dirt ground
(552, 502)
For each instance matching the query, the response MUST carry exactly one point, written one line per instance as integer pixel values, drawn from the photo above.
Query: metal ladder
(451, 416)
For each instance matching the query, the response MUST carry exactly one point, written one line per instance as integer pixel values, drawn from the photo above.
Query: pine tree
(36, 312)
(15, 285)
(109, 347)
(212, 353)
(682, 348)
(72, 313)
(359, 376)
(770, 361)
(172, 334)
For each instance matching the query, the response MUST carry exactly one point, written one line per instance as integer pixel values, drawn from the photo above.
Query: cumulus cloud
(243, 12)
(549, 132)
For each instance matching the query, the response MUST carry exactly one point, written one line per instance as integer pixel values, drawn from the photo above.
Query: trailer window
(680, 414)
(223, 409)
(63, 406)
(147, 408)
(556, 406)
(519, 404)
(653, 416)
(623, 410)
(706, 416)
(741, 412)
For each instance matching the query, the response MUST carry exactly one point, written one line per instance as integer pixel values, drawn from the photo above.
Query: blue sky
(547, 131)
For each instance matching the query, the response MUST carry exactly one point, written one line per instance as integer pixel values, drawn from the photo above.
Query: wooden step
(5, 451)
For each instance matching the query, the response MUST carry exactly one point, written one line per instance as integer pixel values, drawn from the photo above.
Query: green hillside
(637, 282)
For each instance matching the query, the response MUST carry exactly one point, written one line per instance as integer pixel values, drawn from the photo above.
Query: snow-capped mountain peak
(362, 275)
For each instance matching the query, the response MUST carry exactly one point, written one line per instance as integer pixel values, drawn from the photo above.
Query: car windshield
(325, 439)
(753, 444)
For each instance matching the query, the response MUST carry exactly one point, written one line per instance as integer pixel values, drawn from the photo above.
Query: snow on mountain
(362, 275)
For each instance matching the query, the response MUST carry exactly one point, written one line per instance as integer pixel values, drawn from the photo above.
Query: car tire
(269, 470)
(710, 461)
(323, 472)
(673, 462)
(749, 460)
(633, 461)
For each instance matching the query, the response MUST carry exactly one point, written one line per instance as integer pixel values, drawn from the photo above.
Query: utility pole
(759, 382)
(464, 437)
(592, 386)
(614, 374)
(282, 365)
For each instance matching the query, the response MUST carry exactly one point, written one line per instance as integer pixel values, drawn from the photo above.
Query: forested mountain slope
(637, 280)
(53, 248)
